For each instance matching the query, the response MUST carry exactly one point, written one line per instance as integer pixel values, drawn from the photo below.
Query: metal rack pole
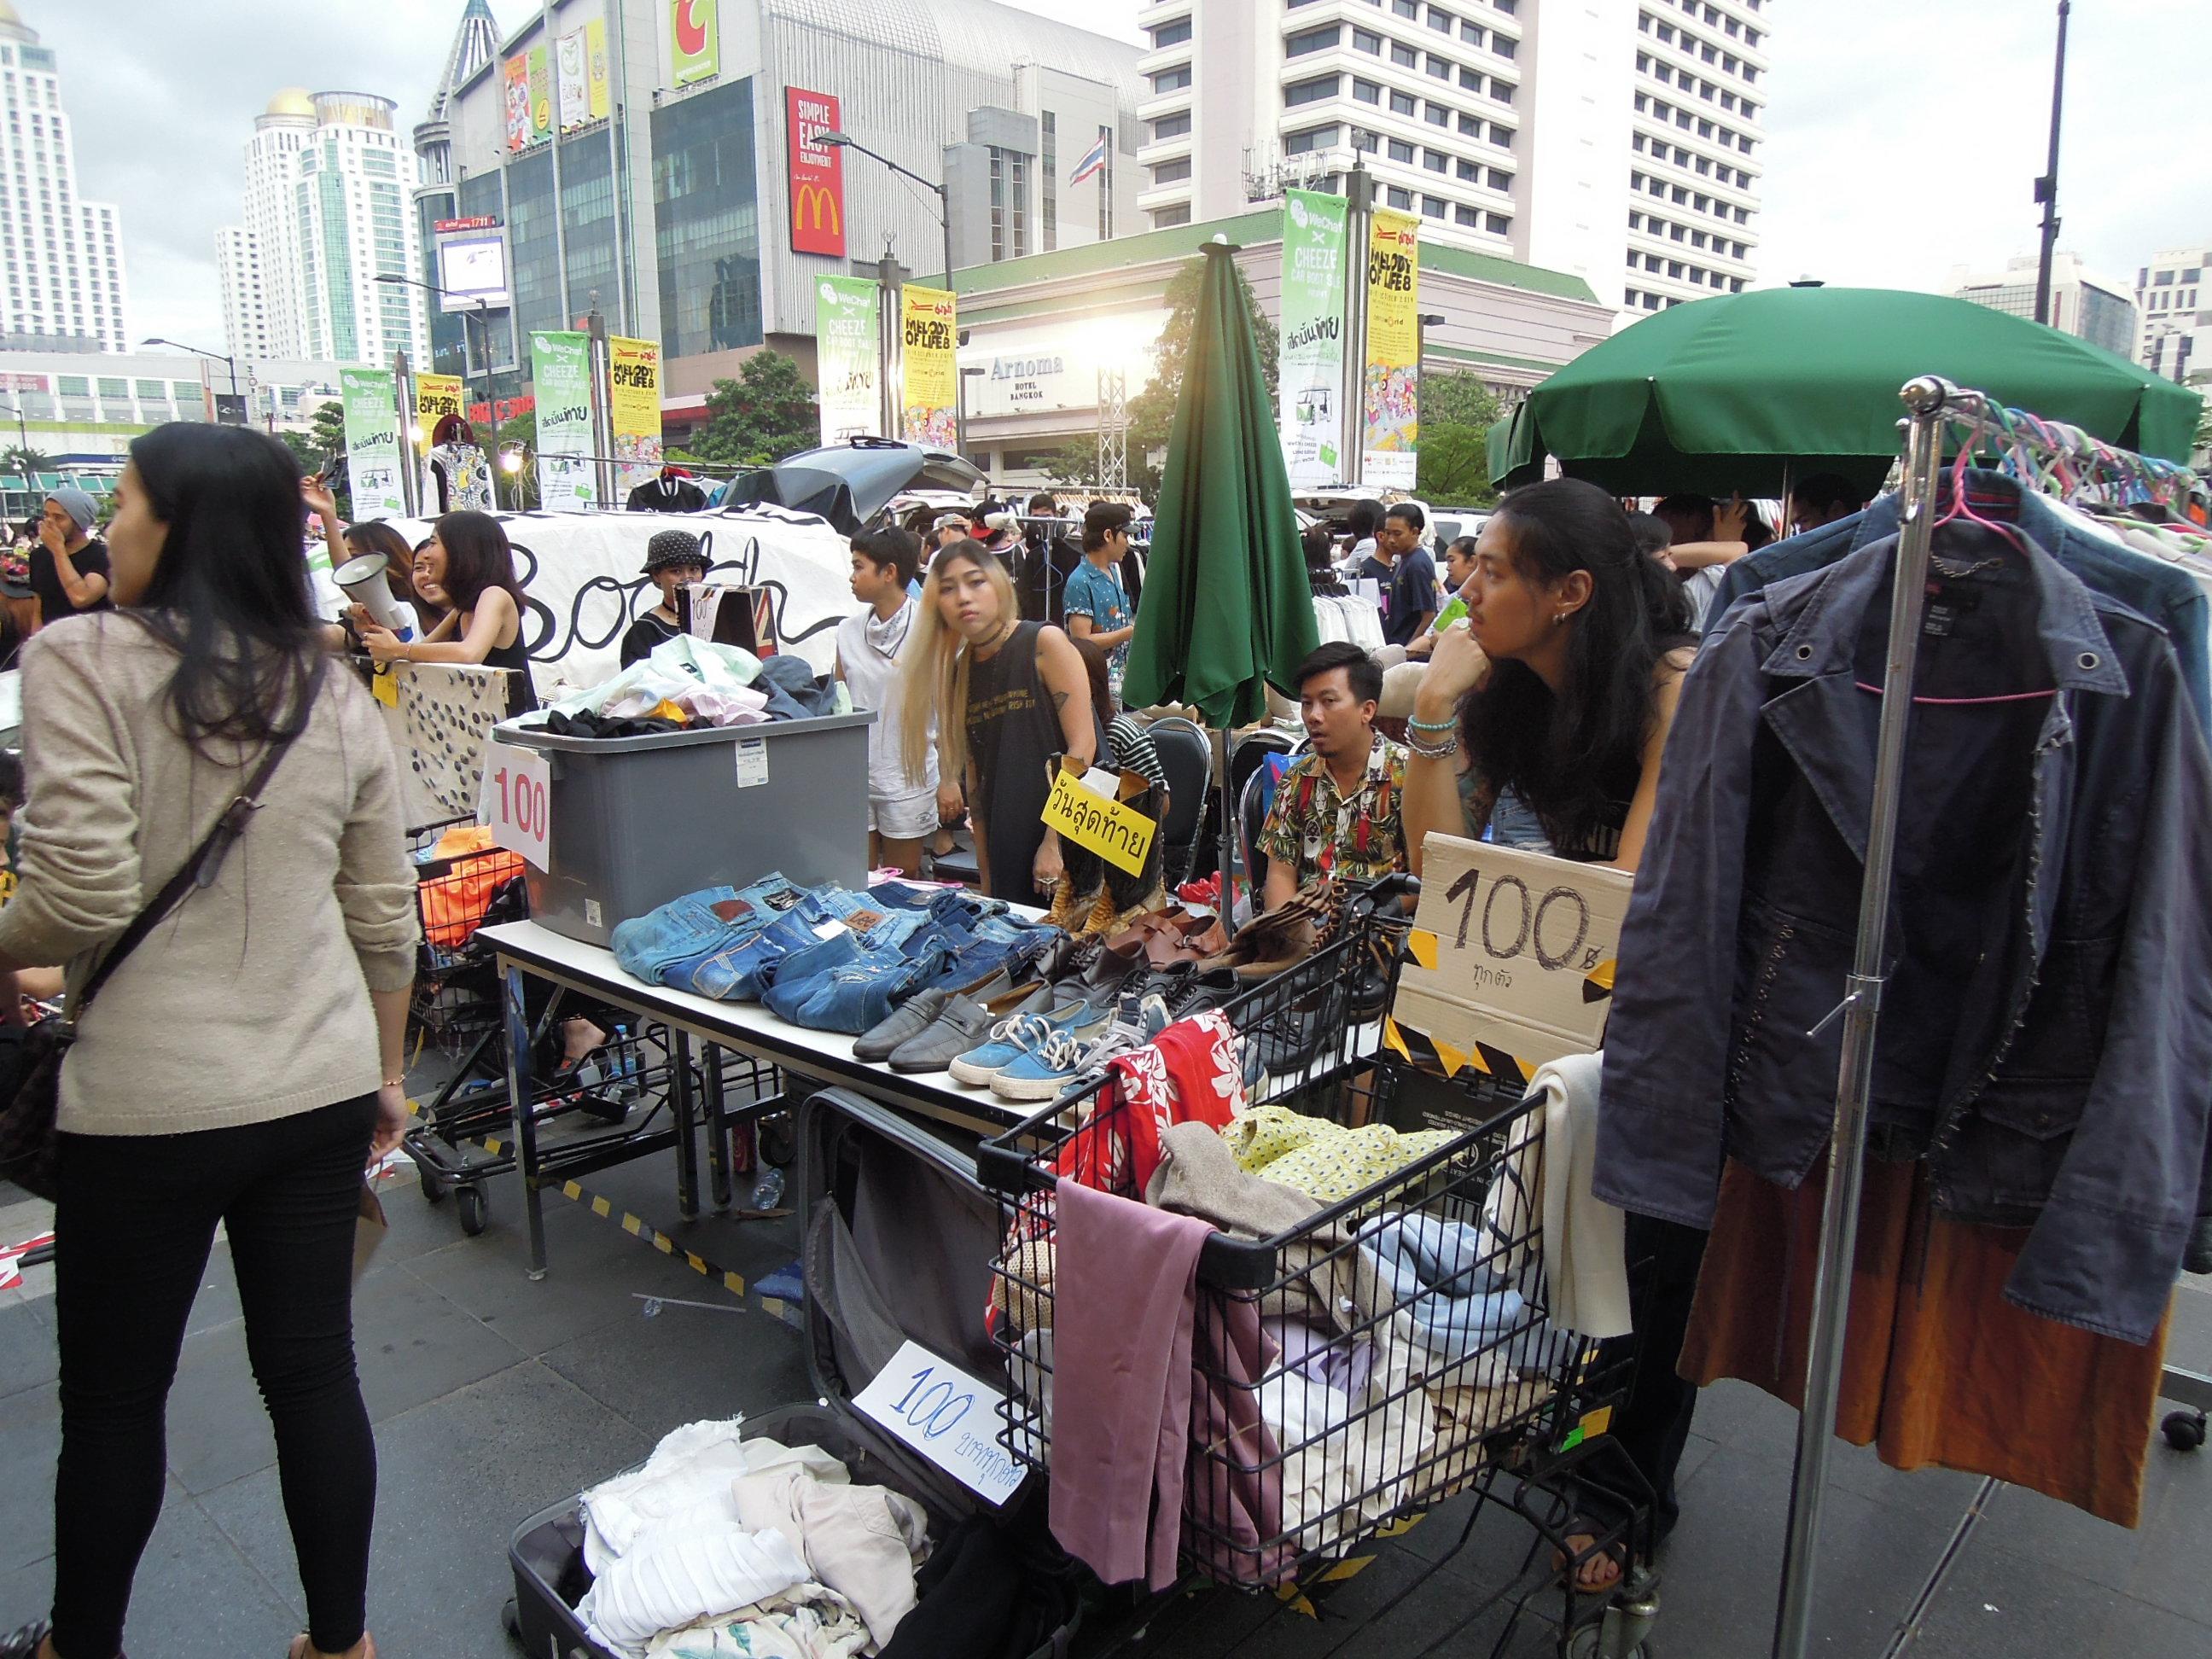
(1925, 398)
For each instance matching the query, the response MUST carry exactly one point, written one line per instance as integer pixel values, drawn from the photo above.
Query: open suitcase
(874, 1188)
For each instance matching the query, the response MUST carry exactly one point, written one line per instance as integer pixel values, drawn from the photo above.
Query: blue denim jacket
(2046, 1027)
(2169, 596)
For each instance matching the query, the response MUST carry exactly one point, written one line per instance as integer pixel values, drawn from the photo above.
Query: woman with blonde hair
(1009, 695)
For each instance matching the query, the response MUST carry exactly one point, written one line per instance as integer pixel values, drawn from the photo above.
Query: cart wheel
(469, 1205)
(2184, 1431)
(777, 1138)
(434, 1188)
(511, 1616)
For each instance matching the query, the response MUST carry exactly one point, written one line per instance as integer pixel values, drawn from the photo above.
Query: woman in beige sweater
(243, 1062)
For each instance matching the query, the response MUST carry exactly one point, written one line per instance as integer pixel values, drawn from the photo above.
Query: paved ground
(495, 1397)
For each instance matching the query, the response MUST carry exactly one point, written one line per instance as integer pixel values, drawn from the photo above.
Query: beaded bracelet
(1431, 726)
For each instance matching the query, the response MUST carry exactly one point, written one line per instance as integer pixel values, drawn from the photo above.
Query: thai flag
(1094, 160)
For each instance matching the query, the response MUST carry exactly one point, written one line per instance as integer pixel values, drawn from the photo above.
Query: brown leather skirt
(1938, 1367)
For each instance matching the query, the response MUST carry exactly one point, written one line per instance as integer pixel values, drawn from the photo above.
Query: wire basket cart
(1390, 1352)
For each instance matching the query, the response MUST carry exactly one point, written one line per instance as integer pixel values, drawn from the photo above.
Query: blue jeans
(859, 989)
(655, 946)
(740, 972)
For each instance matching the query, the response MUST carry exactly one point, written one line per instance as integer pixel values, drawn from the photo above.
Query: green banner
(1310, 389)
(372, 435)
(560, 371)
(847, 352)
(694, 40)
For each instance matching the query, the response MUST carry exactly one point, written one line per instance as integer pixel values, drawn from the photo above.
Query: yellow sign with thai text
(436, 396)
(1115, 830)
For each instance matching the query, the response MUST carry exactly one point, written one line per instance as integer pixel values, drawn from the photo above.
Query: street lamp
(212, 356)
(483, 345)
(846, 141)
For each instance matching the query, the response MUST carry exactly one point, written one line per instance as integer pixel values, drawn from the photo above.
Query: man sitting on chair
(1336, 815)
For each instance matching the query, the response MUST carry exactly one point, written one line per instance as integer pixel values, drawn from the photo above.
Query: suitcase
(874, 1188)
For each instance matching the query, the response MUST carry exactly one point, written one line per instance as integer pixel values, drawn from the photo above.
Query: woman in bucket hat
(672, 559)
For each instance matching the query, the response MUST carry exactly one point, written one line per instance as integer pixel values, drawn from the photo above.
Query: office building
(2173, 303)
(1617, 139)
(697, 210)
(2080, 305)
(64, 255)
(327, 207)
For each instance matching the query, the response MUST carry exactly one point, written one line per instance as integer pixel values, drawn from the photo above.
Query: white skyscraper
(327, 209)
(2173, 302)
(1615, 139)
(63, 255)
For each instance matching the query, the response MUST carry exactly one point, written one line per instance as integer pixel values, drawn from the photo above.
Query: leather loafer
(910, 1019)
(964, 1024)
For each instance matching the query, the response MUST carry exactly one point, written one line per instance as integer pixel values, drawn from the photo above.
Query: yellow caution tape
(1422, 944)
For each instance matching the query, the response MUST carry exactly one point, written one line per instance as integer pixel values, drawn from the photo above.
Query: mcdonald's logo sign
(817, 173)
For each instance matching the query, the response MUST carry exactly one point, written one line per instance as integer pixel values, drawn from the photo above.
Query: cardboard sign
(517, 799)
(1513, 956)
(1116, 832)
(948, 1416)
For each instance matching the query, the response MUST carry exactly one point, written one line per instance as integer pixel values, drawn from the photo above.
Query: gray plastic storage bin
(639, 821)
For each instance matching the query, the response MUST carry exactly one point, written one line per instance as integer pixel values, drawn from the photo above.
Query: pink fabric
(1125, 1291)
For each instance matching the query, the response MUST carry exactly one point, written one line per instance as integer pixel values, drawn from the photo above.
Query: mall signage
(817, 173)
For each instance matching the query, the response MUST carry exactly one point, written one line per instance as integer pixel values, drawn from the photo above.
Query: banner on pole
(930, 336)
(436, 396)
(1312, 350)
(1390, 411)
(372, 435)
(634, 375)
(560, 369)
(846, 318)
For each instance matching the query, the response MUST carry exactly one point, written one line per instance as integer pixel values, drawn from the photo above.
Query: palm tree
(28, 462)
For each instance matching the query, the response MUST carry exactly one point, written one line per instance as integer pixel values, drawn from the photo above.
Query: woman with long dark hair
(254, 1110)
(1542, 718)
(468, 569)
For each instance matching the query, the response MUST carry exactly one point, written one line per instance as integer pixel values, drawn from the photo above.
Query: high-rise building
(2080, 305)
(1614, 139)
(328, 209)
(2174, 302)
(64, 255)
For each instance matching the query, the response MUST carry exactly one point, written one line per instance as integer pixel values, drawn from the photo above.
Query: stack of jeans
(825, 958)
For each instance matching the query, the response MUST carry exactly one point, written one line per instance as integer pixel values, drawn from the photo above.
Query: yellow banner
(1391, 408)
(930, 337)
(633, 372)
(1119, 834)
(595, 66)
(436, 396)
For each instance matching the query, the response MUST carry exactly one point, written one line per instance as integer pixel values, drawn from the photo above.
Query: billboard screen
(473, 270)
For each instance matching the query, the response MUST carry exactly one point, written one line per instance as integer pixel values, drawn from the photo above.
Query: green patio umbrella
(1226, 609)
(1737, 392)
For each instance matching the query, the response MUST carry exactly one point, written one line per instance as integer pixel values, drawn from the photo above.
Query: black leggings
(133, 1223)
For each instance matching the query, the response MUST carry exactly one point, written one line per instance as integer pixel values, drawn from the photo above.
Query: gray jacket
(2046, 1031)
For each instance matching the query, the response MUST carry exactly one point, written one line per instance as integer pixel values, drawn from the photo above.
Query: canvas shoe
(1011, 1038)
(1069, 1051)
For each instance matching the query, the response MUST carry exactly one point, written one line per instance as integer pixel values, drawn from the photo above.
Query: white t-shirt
(869, 654)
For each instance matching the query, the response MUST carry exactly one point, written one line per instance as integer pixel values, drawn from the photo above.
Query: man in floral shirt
(1336, 815)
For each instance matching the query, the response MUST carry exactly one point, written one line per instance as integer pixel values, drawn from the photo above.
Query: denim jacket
(2046, 1026)
(2168, 596)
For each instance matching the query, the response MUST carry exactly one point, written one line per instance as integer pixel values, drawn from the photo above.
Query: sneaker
(1045, 1071)
(1010, 1039)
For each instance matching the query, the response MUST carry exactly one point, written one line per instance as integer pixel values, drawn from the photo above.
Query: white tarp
(583, 576)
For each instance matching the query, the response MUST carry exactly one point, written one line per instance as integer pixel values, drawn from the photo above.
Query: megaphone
(363, 581)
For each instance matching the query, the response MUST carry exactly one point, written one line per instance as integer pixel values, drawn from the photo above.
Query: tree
(323, 445)
(767, 413)
(1458, 400)
(1074, 465)
(28, 462)
(1458, 411)
(1151, 411)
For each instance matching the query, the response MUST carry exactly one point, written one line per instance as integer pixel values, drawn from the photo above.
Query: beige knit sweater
(250, 1001)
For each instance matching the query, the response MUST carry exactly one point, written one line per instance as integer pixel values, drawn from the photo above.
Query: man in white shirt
(871, 644)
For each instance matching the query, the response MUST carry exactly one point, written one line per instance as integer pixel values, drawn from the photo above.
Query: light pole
(2046, 187)
(846, 141)
(483, 345)
(212, 356)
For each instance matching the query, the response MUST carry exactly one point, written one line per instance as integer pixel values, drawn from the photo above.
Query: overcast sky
(1903, 135)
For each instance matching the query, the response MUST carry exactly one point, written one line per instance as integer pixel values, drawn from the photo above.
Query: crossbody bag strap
(201, 869)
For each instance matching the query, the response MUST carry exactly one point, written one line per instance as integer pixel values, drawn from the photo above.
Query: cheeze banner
(1389, 403)
(847, 320)
(928, 335)
(560, 371)
(818, 172)
(1311, 395)
(372, 437)
(634, 377)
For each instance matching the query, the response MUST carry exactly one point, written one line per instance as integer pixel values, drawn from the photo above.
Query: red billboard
(818, 172)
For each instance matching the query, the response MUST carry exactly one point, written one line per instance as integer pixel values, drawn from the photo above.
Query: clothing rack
(2039, 449)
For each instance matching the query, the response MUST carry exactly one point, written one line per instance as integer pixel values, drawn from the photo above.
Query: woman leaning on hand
(1543, 718)
(243, 1063)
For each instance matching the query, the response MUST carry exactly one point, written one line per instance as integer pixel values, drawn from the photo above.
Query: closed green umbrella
(1739, 393)
(1226, 609)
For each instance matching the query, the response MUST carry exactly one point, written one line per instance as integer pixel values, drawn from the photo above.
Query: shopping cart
(1335, 1390)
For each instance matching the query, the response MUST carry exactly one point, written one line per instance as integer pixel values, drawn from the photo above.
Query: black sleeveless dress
(1014, 732)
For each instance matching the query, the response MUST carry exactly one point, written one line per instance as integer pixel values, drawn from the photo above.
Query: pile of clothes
(688, 682)
(719, 1545)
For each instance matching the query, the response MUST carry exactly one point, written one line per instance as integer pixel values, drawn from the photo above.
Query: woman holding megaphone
(468, 569)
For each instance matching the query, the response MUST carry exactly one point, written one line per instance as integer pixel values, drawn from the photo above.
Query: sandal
(302, 1647)
(1583, 1556)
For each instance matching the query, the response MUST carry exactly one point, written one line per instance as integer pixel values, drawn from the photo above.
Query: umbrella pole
(1228, 905)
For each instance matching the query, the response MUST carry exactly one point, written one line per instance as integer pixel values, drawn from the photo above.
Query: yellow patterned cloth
(1322, 1159)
